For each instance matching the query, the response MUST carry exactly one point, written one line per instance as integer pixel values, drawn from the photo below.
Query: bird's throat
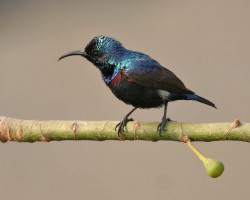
(108, 73)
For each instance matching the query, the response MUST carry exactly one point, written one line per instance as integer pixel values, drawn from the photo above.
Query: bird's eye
(96, 53)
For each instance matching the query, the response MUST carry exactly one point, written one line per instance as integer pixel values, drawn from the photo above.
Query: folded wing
(149, 73)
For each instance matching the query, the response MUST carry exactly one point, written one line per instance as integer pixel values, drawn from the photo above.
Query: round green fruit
(214, 168)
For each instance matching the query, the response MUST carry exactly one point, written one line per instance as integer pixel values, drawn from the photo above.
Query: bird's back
(145, 71)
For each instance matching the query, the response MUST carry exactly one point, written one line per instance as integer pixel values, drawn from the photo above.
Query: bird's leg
(121, 125)
(164, 121)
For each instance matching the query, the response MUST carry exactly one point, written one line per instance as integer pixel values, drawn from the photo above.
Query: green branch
(31, 131)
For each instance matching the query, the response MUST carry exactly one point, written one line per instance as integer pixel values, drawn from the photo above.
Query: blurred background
(206, 43)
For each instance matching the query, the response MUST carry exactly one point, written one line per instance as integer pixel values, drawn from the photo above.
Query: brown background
(206, 43)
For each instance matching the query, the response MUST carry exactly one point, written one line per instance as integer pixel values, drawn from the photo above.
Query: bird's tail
(200, 99)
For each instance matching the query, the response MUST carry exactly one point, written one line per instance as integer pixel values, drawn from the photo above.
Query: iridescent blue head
(100, 51)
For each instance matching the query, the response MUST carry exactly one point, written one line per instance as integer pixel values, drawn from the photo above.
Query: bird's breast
(130, 92)
(120, 78)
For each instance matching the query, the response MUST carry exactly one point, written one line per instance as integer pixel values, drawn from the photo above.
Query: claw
(117, 125)
(161, 126)
(121, 125)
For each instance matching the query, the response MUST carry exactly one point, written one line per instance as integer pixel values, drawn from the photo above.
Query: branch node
(43, 137)
(121, 137)
(136, 126)
(74, 128)
(185, 138)
(5, 130)
(19, 133)
(233, 125)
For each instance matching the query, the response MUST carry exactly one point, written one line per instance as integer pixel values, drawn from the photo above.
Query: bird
(135, 78)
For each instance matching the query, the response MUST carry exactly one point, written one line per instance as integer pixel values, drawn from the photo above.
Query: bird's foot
(161, 126)
(121, 126)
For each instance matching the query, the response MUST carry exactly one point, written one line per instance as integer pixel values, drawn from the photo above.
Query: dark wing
(148, 72)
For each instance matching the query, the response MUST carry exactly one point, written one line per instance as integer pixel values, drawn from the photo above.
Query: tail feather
(200, 99)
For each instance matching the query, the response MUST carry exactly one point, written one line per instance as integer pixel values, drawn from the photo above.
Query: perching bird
(135, 78)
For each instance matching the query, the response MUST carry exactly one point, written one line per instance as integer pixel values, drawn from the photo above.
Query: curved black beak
(73, 53)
